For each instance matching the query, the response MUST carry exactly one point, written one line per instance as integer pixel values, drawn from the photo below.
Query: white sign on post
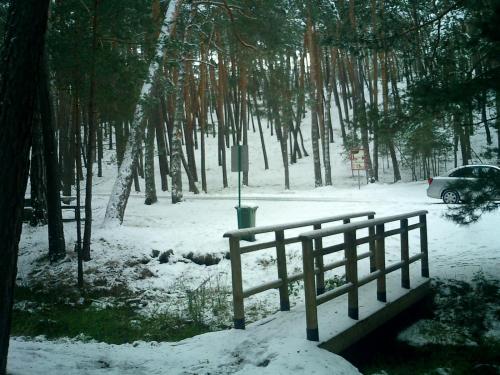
(359, 162)
(358, 159)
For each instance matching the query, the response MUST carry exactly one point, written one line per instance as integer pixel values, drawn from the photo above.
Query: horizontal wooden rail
(262, 288)
(279, 243)
(239, 233)
(376, 239)
(358, 225)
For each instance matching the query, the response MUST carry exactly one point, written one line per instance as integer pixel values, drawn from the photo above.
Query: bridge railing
(350, 244)
(279, 243)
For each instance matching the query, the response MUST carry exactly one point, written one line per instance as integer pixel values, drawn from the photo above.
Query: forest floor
(178, 297)
(164, 276)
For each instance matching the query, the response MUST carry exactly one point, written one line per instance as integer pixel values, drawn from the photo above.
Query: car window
(489, 172)
(463, 172)
(475, 172)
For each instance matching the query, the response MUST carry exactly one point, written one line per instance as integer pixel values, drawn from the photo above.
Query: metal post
(405, 255)
(351, 273)
(424, 246)
(320, 277)
(238, 307)
(380, 262)
(282, 271)
(309, 291)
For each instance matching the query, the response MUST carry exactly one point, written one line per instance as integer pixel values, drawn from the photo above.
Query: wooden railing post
(405, 255)
(309, 291)
(282, 271)
(371, 244)
(351, 273)
(424, 246)
(320, 277)
(238, 307)
(380, 262)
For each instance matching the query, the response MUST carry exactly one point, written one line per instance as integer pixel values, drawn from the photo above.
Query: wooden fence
(378, 270)
(280, 242)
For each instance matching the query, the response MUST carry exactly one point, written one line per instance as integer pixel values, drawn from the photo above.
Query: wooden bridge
(372, 298)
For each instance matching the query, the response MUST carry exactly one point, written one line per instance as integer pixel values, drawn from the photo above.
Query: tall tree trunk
(99, 149)
(219, 109)
(314, 52)
(66, 149)
(189, 123)
(243, 105)
(121, 189)
(389, 133)
(149, 164)
(57, 245)
(318, 181)
(38, 181)
(87, 233)
(176, 144)
(261, 133)
(162, 146)
(203, 114)
(20, 56)
(336, 97)
(497, 124)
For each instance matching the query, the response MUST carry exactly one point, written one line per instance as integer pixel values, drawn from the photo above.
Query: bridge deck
(336, 330)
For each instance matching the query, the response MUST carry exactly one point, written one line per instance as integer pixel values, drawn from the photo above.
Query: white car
(442, 187)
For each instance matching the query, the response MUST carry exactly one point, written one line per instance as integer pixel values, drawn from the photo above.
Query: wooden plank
(424, 249)
(273, 228)
(282, 271)
(238, 307)
(415, 257)
(263, 287)
(364, 326)
(392, 232)
(310, 291)
(393, 267)
(258, 246)
(414, 226)
(320, 274)
(371, 236)
(351, 273)
(295, 277)
(338, 229)
(370, 277)
(333, 249)
(380, 262)
(334, 293)
(405, 255)
(334, 265)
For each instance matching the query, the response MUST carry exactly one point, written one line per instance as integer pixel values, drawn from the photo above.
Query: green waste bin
(246, 219)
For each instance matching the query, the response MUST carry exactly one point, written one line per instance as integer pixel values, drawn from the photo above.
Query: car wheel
(451, 197)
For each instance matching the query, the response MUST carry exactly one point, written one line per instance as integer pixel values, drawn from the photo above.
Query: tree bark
(121, 189)
(315, 133)
(38, 181)
(19, 71)
(91, 141)
(162, 146)
(149, 164)
(57, 245)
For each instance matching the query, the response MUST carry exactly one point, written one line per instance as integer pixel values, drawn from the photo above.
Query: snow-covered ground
(122, 256)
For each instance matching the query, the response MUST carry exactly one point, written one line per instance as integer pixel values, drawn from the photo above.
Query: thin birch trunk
(121, 189)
